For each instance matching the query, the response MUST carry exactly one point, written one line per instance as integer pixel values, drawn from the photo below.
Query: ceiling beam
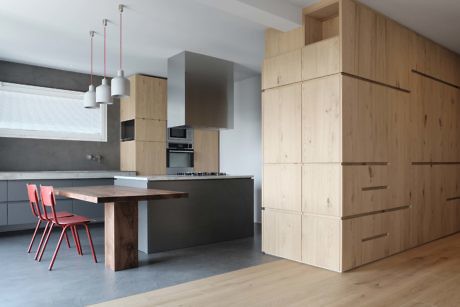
(277, 14)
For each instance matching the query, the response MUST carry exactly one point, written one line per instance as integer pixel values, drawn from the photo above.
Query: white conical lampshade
(89, 99)
(103, 93)
(120, 85)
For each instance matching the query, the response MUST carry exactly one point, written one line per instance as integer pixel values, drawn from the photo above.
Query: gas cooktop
(201, 174)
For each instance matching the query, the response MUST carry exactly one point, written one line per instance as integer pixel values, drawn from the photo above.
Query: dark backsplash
(18, 154)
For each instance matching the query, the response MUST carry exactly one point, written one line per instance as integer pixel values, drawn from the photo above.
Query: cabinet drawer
(282, 186)
(3, 214)
(17, 189)
(282, 118)
(365, 189)
(3, 191)
(281, 70)
(281, 234)
(20, 213)
(365, 239)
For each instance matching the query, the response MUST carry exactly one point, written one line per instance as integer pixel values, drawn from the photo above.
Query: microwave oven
(180, 135)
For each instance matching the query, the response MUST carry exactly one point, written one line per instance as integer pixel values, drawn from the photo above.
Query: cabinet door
(366, 109)
(20, 213)
(150, 97)
(322, 120)
(282, 186)
(3, 191)
(206, 146)
(281, 109)
(282, 69)
(150, 158)
(3, 213)
(281, 234)
(17, 189)
(128, 156)
(321, 59)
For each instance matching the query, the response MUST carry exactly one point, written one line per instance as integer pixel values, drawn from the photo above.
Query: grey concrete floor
(78, 281)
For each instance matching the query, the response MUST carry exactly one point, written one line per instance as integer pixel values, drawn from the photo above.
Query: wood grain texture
(322, 120)
(120, 227)
(282, 188)
(150, 130)
(423, 276)
(281, 120)
(281, 233)
(112, 193)
(206, 146)
(373, 46)
(150, 158)
(150, 97)
(278, 42)
(128, 156)
(321, 58)
(282, 69)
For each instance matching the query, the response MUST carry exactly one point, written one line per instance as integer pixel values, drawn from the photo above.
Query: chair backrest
(32, 192)
(48, 200)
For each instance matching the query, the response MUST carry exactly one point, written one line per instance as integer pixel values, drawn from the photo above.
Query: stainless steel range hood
(200, 91)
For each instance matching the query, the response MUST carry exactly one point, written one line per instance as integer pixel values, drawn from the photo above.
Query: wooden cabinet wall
(146, 105)
(206, 146)
(361, 141)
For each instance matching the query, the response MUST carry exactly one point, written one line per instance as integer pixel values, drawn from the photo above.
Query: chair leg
(46, 242)
(77, 246)
(78, 238)
(90, 242)
(67, 239)
(57, 248)
(33, 236)
(45, 231)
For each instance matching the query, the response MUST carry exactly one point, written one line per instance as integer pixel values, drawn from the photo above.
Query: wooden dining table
(120, 217)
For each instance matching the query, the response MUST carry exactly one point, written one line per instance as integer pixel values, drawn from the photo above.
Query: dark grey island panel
(216, 210)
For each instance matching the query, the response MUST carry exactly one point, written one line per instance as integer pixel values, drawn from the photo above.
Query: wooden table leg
(121, 220)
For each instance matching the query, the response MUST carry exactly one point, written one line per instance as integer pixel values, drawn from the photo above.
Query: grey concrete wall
(18, 154)
(240, 147)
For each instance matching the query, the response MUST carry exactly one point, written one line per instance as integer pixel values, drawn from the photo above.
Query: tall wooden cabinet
(143, 124)
(361, 144)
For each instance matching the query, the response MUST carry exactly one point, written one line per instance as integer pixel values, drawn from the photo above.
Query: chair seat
(62, 214)
(70, 220)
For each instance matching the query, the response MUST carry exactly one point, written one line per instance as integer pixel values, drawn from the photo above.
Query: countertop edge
(61, 175)
(182, 178)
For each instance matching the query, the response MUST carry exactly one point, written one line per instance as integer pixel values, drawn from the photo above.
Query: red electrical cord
(121, 37)
(105, 26)
(91, 77)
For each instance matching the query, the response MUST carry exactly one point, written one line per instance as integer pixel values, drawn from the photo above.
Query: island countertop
(178, 178)
(42, 175)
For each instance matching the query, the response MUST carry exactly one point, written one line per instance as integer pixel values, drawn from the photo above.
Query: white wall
(240, 148)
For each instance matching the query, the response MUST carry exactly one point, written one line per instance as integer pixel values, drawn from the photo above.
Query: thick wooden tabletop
(115, 193)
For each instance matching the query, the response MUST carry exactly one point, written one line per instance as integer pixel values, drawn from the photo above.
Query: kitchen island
(219, 208)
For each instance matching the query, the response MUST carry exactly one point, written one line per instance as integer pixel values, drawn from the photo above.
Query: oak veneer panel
(321, 58)
(365, 189)
(150, 158)
(365, 109)
(150, 97)
(152, 130)
(206, 146)
(322, 189)
(278, 42)
(282, 186)
(435, 60)
(330, 27)
(373, 46)
(128, 156)
(128, 104)
(321, 241)
(365, 239)
(281, 117)
(282, 69)
(322, 120)
(281, 234)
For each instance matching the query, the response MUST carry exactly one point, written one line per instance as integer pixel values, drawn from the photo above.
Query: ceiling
(54, 33)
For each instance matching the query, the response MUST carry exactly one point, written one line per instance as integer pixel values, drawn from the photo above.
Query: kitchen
(246, 155)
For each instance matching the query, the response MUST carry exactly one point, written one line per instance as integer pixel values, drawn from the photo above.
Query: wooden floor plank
(428, 275)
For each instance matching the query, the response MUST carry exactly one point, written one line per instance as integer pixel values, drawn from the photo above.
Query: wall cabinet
(371, 167)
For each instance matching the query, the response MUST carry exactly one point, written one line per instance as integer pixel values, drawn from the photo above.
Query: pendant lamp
(89, 99)
(120, 84)
(103, 90)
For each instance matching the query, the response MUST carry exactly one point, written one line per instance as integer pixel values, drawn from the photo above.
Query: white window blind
(46, 113)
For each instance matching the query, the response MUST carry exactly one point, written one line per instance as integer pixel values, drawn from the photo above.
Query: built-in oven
(179, 158)
(180, 135)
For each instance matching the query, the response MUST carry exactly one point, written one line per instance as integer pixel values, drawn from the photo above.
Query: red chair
(35, 208)
(48, 200)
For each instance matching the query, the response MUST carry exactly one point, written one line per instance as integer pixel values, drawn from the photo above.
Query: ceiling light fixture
(120, 84)
(89, 99)
(103, 90)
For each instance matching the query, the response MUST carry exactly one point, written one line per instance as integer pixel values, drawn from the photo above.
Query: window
(46, 113)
